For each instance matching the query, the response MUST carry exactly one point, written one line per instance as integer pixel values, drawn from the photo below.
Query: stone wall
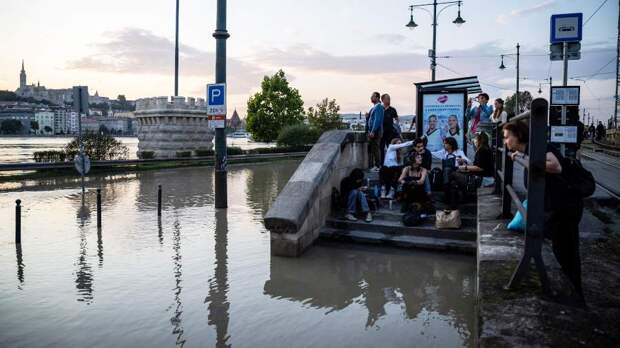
(171, 128)
(303, 205)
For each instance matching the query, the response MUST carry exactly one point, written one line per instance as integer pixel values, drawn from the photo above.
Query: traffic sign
(565, 95)
(566, 27)
(216, 99)
(573, 51)
(77, 160)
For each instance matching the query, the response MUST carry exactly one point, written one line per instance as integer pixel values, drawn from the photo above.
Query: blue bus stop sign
(566, 27)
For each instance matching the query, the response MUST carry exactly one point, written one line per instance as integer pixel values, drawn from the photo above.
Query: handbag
(447, 219)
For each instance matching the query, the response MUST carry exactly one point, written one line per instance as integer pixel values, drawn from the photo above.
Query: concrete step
(408, 241)
(384, 213)
(396, 228)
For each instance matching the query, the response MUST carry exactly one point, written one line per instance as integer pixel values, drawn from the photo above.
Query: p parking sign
(216, 105)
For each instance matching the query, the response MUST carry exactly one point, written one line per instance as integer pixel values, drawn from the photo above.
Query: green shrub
(98, 147)
(298, 135)
(279, 149)
(234, 150)
(146, 154)
(50, 156)
(204, 153)
(184, 154)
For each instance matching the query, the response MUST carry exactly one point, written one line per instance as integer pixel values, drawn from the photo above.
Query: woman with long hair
(392, 166)
(413, 178)
(483, 163)
(499, 114)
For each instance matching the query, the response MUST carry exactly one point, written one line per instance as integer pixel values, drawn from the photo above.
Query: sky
(341, 49)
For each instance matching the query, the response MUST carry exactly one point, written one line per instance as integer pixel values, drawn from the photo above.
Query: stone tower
(22, 77)
(169, 129)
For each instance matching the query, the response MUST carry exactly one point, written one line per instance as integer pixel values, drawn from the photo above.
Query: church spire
(22, 76)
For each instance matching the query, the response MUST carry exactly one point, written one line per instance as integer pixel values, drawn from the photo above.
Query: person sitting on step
(392, 166)
(353, 190)
(451, 157)
(481, 170)
(413, 178)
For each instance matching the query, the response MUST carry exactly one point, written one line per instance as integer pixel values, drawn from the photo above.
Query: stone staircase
(387, 228)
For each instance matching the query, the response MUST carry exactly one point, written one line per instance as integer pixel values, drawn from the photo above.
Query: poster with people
(442, 117)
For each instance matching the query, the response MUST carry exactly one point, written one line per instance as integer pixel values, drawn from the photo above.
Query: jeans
(427, 184)
(353, 198)
(374, 146)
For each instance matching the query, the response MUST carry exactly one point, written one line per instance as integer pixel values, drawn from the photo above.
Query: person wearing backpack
(563, 202)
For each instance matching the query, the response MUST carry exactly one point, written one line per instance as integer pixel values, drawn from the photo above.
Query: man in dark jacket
(389, 133)
(353, 190)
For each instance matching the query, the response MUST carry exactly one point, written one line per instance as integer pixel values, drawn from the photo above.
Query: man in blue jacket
(375, 131)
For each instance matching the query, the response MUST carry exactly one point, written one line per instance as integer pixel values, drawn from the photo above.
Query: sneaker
(375, 169)
(390, 195)
(350, 217)
(369, 217)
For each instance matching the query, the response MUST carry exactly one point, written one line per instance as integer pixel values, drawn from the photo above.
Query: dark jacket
(352, 182)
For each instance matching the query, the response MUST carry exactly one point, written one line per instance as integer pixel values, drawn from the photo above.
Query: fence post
(98, 207)
(158, 200)
(535, 217)
(18, 221)
(498, 141)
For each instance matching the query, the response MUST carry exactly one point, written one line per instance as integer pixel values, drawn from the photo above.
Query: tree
(298, 135)
(98, 147)
(11, 127)
(34, 125)
(325, 116)
(103, 129)
(525, 99)
(48, 129)
(277, 105)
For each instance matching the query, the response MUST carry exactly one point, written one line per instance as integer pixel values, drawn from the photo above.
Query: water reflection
(335, 277)
(176, 319)
(264, 182)
(160, 231)
(84, 274)
(193, 189)
(20, 265)
(100, 247)
(217, 299)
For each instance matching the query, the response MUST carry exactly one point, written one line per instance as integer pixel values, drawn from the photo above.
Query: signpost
(565, 35)
(82, 166)
(216, 105)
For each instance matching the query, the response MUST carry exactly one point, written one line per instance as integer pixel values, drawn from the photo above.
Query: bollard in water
(98, 207)
(158, 200)
(18, 221)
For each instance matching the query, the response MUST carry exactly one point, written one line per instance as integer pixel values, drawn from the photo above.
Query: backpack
(579, 179)
(436, 178)
(412, 217)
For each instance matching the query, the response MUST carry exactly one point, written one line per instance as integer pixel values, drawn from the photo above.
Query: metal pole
(517, 108)
(98, 207)
(158, 200)
(18, 221)
(564, 83)
(176, 56)
(617, 72)
(434, 53)
(220, 35)
(81, 144)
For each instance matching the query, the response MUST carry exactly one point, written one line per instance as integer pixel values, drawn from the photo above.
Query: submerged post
(98, 207)
(158, 200)
(18, 221)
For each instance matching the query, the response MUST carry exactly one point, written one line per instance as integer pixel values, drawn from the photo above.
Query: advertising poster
(442, 117)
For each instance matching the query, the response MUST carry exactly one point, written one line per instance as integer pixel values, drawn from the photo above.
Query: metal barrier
(534, 163)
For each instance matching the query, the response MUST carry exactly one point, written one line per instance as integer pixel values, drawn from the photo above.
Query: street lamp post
(220, 35)
(502, 67)
(458, 21)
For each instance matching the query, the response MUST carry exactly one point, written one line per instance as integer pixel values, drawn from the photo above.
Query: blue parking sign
(216, 99)
(566, 27)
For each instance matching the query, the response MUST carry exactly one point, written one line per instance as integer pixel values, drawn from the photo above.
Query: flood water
(205, 277)
(21, 149)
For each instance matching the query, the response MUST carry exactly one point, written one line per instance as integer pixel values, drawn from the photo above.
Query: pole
(176, 56)
(18, 221)
(517, 109)
(98, 207)
(617, 72)
(81, 144)
(220, 35)
(158, 200)
(564, 83)
(434, 53)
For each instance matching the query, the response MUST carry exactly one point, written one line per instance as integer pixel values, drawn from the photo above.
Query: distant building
(60, 121)
(96, 99)
(72, 124)
(23, 115)
(80, 99)
(45, 118)
(234, 121)
(38, 92)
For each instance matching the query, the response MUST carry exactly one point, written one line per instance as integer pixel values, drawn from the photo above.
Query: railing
(534, 163)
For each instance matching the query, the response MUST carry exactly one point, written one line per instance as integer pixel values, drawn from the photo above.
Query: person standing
(600, 131)
(563, 206)
(479, 114)
(389, 131)
(499, 114)
(375, 129)
(591, 131)
(580, 136)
